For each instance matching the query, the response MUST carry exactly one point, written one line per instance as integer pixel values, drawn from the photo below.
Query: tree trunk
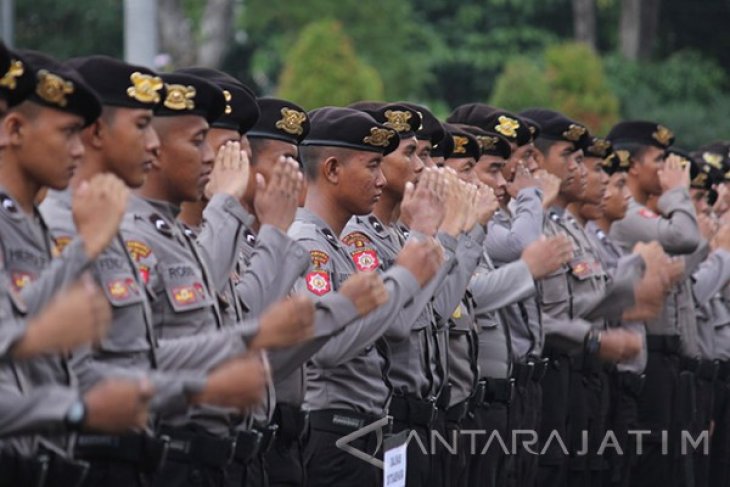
(176, 33)
(216, 32)
(584, 21)
(638, 27)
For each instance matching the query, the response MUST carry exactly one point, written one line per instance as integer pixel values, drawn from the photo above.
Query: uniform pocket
(554, 288)
(184, 287)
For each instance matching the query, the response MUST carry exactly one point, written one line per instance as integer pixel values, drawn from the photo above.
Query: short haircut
(543, 145)
(312, 155)
(258, 145)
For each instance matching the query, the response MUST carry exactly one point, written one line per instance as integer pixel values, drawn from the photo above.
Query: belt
(340, 421)
(144, 451)
(630, 382)
(532, 370)
(413, 411)
(492, 390)
(703, 369)
(457, 412)
(291, 421)
(253, 442)
(199, 448)
(666, 344)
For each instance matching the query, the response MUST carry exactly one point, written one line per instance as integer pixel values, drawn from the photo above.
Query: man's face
(616, 198)
(129, 144)
(361, 181)
(464, 167)
(596, 181)
(49, 146)
(488, 170)
(186, 157)
(402, 166)
(646, 169)
(563, 161)
(423, 151)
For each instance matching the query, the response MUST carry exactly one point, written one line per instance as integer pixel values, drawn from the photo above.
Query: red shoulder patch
(647, 213)
(366, 260)
(358, 239)
(319, 258)
(318, 282)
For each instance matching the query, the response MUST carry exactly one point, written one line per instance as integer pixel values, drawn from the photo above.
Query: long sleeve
(711, 276)
(506, 243)
(500, 287)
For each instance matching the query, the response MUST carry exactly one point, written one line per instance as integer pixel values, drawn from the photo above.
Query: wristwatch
(76, 415)
(593, 342)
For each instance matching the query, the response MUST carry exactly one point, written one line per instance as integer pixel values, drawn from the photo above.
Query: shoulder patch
(319, 258)
(318, 282)
(647, 213)
(357, 239)
(21, 279)
(366, 260)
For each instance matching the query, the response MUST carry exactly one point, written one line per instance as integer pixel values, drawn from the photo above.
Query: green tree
(521, 85)
(323, 69)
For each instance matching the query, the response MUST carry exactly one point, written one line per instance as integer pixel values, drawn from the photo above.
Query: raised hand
(276, 203)
(366, 290)
(98, 206)
(230, 172)
(422, 208)
(547, 255)
(673, 175)
(118, 405)
(285, 323)
(422, 259)
(238, 383)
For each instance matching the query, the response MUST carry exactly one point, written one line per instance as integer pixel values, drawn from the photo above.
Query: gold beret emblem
(398, 120)
(53, 89)
(180, 97)
(291, 121)
(379, 137)
(713, 159)
(624, 158)
(663, 135)
(574, 132)
(227, 95)
(145, 88)
(507, 126)
(15, 71)
(487, 142)
(460, 143)
(599, 147)
(700, 179)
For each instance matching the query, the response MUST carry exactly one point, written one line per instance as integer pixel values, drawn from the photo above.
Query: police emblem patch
(366, 260)
(318, 282)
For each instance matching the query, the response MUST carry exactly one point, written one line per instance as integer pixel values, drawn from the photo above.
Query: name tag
(394, 460)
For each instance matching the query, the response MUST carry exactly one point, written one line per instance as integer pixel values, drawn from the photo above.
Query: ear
(93, 135)
(539, 158)
(331, 169)
(14, 125)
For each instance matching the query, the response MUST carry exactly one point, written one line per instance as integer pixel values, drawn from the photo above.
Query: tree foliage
(323, 69)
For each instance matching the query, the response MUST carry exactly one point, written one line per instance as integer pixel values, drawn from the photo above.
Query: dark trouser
(45, 469)
(195, 458)
(283, 464)
(657, 409)
(418, 455)
(328, 465)
(720, 445)
(425, 465)
(552, 470)
(487, 467)
(623, 417)
(248, 465)
(455, 456)
(524, 415)
(116, 474)
(705, 393)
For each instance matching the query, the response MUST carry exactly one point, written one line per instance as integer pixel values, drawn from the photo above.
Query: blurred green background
(596, 60)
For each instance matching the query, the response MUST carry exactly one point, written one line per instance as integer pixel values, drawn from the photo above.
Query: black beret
(5, 58)
(556, 126)
(696, 177)
(18, 82)
(490, 143)
(120, 84)
(596, 147)
(465, 144)
(61, 87)
(405, 121)
(191, 95)
(504, 123)
(470, 112)
(366, 106)
(350, 129)
(280, 120)
(702, 174)
(644, 133)
(242, 111)
(431, 129)
(444, 146)
(717, 154)
(533, 127)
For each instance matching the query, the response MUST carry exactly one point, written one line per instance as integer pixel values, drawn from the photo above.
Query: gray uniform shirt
(349, 371)
(677, 232)
(713, 314)
(508, 235)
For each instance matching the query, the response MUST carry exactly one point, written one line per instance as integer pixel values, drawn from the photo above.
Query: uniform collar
(307, 216)
(164, 208)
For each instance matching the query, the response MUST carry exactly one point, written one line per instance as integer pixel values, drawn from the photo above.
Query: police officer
(674, 331)
(342, 156)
